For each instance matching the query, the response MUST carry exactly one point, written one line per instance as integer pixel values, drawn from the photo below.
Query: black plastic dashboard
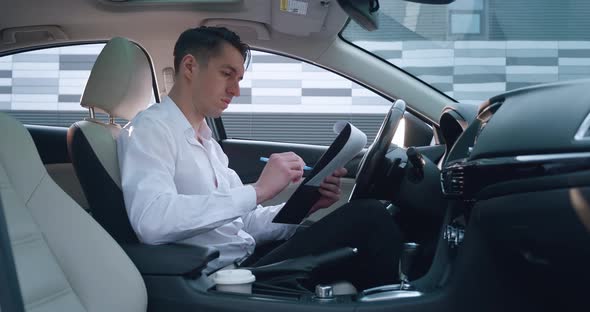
(528, 133)
(520, 175)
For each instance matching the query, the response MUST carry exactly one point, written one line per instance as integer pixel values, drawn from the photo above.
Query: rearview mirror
(364, 12)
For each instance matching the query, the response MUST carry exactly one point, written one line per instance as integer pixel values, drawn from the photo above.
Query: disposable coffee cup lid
(234, 277)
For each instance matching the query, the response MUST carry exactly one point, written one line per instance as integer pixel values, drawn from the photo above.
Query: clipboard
(349, 142)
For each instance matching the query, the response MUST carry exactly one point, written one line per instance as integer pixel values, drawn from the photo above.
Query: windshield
(474, 49)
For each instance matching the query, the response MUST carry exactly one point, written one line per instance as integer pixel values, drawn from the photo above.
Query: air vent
(583, 132)
(453, 181)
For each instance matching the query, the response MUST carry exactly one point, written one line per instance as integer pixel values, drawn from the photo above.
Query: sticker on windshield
(294, 6)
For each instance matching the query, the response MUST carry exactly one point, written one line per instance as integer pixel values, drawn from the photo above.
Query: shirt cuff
(244, 197)
(290, 230)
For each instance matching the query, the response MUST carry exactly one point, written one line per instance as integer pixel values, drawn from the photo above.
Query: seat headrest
(120, 82)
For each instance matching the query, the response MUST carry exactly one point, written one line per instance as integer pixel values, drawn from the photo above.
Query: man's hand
(280, 170)
(330, 190)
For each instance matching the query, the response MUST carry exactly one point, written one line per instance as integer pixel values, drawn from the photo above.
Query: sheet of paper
(353, 145)
(349, 142)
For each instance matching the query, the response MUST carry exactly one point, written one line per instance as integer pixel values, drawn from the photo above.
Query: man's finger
(293, 163)
(332, 180)
(329, 195)
(330, 187)
(296, 165)
(290, 156)
(295, 175)
(293, 160)
(340, 172)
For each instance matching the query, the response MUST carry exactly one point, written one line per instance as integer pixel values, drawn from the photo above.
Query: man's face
(215, 84)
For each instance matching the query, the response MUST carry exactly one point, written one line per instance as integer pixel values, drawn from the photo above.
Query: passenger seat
(120, 85)
(64, 260)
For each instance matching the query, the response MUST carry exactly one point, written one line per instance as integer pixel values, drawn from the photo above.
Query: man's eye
(226, 74)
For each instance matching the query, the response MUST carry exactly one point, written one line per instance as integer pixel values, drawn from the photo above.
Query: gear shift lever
(401, 290)
(405, 264)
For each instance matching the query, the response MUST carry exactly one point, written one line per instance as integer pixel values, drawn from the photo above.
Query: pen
(265, 159)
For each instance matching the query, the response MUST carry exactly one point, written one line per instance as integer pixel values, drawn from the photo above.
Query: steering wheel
(376, 153)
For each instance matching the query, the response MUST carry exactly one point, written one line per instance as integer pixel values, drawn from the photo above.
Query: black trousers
(361, 224)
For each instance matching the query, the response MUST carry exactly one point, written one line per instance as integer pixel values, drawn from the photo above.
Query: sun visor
(299, 17)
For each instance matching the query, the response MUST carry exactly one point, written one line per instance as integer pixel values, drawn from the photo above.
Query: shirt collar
(204, 131)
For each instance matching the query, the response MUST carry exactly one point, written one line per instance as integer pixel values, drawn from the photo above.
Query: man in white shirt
(178, 187)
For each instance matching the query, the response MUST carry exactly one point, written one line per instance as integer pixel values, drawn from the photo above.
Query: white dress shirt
(178, 189)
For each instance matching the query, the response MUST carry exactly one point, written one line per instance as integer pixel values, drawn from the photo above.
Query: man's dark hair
(206, 42)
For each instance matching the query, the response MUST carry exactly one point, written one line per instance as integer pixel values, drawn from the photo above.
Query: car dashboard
(529, 133)
(519, 173)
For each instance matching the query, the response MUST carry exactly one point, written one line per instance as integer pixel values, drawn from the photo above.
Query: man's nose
(234, 89)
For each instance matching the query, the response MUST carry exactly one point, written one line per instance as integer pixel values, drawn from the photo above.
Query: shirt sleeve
(157, 213)
(258, 222)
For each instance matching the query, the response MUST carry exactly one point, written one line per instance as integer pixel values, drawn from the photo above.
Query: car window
(44, 87)
(474, 49)
(287, 100)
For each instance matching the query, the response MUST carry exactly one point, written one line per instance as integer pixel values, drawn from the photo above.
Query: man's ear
(189, 67)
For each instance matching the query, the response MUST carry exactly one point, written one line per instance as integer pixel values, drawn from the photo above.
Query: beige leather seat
(64, 260)
(120, 85)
